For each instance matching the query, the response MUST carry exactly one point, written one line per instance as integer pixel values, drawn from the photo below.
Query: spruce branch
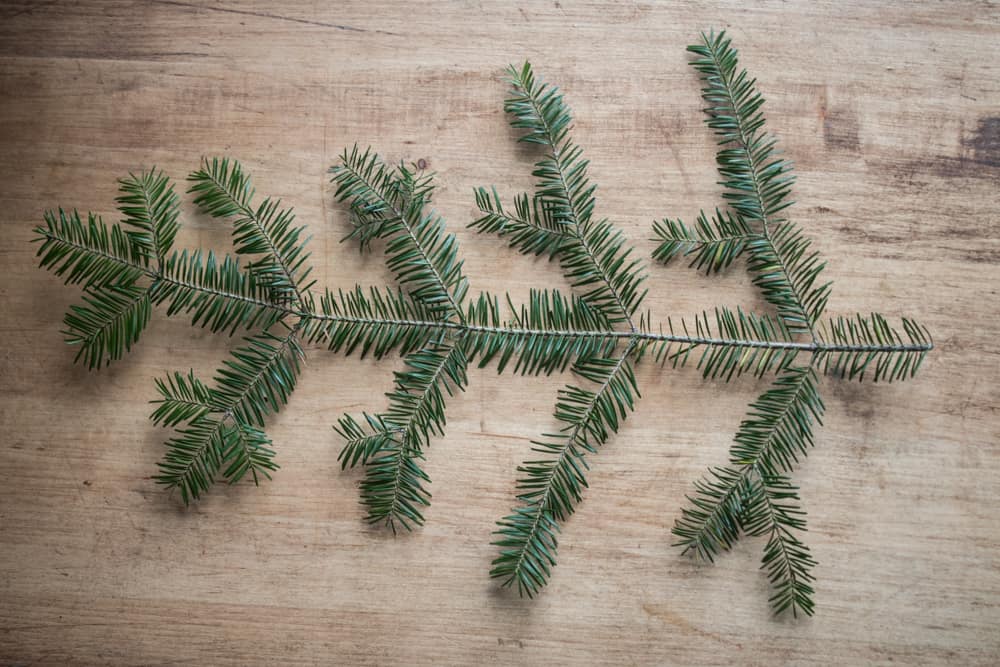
(393, 485)
(774, 511)
(753, 494)
(551, 487)
(544, 335)
(259, 378)
(363, 440)
(222, 296)
(531, 227)
(247, 450)
(256, 381)
(713, 242)
(150, 206)
(390, 204)
(775, 433)
(758, 184)
(90, 254)
(713, 521)
(184, 399)
(393, 488)
(593, 257)
(378, 322)
(597, 330)
(109, 324)
(224, 190)
(854, 346)
(778, 429)
(193, 458)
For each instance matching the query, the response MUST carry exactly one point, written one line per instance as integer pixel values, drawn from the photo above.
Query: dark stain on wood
(984, 144)
(857, 402)
(840, 131)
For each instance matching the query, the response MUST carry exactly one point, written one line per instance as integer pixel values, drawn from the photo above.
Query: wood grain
(891, 113)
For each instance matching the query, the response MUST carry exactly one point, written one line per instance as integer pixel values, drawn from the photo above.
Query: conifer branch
(125, 270)
(150, 206)
(389, 204)
(184, 399)
(378, 322)
(774, 511)
(757, 186)
(551, 487)
(109, 324)
(532, 228)
(247, 450)
(193, 458)
(594, 258)
(362, 441)
(775, 433)
(92, 254)
(851, 347)
(392, 489)
(224, 191)
(714, 243)
(220, 296)
(256, 381)
(753, 495)
(259, 377)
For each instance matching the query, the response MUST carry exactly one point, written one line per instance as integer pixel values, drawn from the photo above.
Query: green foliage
(753, 494)
(184, 399)
(531, 227)
(109, 324)
(224, 191)
(259, 377)
(221, 296)
(264, 290)
(773, 511)
(220, 423)
(544, 335)
(247, 450)
(714, 243)
(393, 485)
(775, 433)
(196, 456)
(390, 204)
(758, 184)
(550, 487)
(90, 254)
(378, 322)
(594, 257)
(778, 429)
(363, 440)
(860, 345)
(150, 207)
(786, 272)
(756, 344)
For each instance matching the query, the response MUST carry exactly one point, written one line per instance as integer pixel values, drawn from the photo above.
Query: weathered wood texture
(891, 113)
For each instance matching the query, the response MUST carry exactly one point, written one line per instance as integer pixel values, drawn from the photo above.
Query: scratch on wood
(276, 17)
(683, 624)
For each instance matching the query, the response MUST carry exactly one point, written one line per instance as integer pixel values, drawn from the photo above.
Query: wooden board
(890, 113)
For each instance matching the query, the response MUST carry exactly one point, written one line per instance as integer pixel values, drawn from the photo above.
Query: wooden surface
(891, 114)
